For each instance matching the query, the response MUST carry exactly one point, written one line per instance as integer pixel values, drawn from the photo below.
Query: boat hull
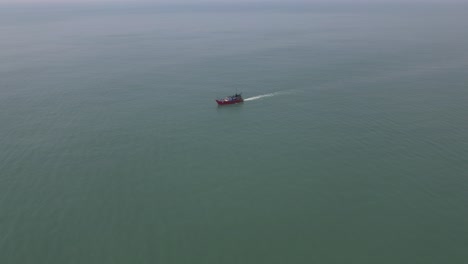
(224, 102)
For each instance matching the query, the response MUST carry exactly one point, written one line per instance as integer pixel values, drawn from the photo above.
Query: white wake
(264, 96)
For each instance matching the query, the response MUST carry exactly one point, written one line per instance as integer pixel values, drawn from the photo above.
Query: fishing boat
(233, 99)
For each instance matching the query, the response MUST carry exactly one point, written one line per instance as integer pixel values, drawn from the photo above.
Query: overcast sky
(217, 1)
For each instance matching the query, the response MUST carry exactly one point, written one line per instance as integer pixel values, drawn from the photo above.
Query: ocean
(351, 145)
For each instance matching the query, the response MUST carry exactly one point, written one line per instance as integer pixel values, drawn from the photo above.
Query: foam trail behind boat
(264, 95)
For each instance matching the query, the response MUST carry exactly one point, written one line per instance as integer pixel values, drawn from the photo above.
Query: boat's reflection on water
(229, 108)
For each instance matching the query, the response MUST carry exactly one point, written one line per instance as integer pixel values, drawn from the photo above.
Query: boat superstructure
(232, 99)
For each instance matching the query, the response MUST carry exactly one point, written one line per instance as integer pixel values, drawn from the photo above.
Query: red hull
(224, 102)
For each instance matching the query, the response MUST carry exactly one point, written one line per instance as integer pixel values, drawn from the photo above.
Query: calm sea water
(352, 146)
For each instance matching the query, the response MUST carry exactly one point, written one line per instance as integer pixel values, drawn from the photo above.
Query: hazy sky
(192, 2)
(215, 1)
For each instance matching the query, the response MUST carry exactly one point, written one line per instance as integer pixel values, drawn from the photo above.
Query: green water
(351, 148)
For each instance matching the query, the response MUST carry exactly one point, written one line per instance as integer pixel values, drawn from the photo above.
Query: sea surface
(351, 145)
